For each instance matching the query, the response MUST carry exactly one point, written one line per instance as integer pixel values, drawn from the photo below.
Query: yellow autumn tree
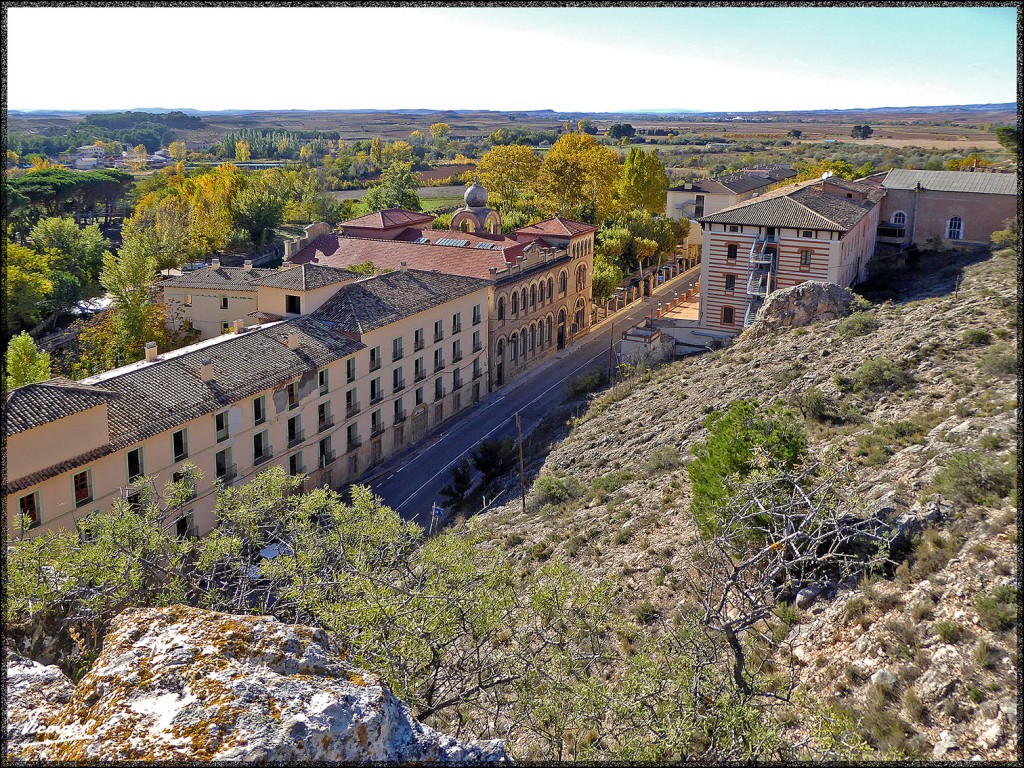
(508, 172)
(242, 151)
(578, 178)
(178, 150)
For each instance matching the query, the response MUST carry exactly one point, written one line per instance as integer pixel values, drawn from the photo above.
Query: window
(730, 282)
(533, 337)
(295, 466)
(513, 346)
(533, 296)
(322, 380)
(292, 305)
(457, 379)
(350, 370)
(419, 396)
(501, 307)
(698, 206)
(376, 422)
(83, 487)
(375, 358)
(438, 388)
(376, 390)
(399, 411)
(419, 369)
(515, 303)
(397, 380)
(730, 251)
(438, 330)
(185, 526)
(563, 282)
(456, 322)
(899, 218)
(261, 447)
(323, 416)
(955, 228)
(551, 288)
(418, 340)
(805, 258)
(522, 343)
(476, 341)
(524, 298)
(223, 467)
(188, 300)
(225, 327)
(326, 454)
(476, 368)
(547, 331)
(396, 349)
(807, 233)
(727, 316)
(28, 505)
(179, 444)
(456, 350)
(351, 404)
(438, 360)
(223, 302)
(293, 395)
(295, 433)
(259, 410)
(540, 293)
(733, 228)
(352, 436)
(135, 467)
(476, 315)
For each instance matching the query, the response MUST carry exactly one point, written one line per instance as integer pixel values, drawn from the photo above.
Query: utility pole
(611, 352)
(522, 475)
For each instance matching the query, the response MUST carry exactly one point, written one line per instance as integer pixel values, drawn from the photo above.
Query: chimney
(206, 370)
(215, 262)
(150, 351)
(248, 265)
(239, 325)
(404, 266)
(293, 341)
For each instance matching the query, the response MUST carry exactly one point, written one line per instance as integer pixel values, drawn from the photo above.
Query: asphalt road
(410, 483)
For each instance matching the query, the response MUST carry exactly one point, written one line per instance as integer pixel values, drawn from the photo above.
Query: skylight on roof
(422, 240)
(486, 245)
(450, 241)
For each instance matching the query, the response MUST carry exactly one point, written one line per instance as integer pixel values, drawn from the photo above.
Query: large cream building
(328, 394)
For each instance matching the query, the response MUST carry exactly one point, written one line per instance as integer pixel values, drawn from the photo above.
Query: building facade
(819, 230)
(328, 394)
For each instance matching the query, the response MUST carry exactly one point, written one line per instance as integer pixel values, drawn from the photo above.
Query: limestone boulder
(810, 302)
(182, 684)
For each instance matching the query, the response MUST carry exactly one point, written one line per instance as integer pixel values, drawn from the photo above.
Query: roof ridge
(808, 208)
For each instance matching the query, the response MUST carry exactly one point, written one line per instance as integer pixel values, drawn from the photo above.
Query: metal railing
(228, 473)
(326, 458)
(258, 459)
(325, 424)
(351, 409)
(353, 444)
(400, 417)
(296, 437)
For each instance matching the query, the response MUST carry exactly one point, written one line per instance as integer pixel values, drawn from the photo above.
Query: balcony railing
(477, 347)
(477, 374)
(395, 356)
(439, 336)
(351, 409)
(376, 398)
(456, 357)
(327, 458)
(438, 366)
(298, 469)
(476, 320)
(375, 364)
(398, 387)
(296, 437)
(376, 429)
(325, 424)
(228, 473)
(456, 385)
(418, 345)
(457, 328)
(439, 395)
(353, 444)
(420, 376)
(400, 417)
(260, 458)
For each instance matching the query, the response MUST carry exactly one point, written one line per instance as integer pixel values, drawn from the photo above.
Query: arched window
(513, 346)
(533, 337)
(551, 288)
(501, 307)
(563, 282)
(464, 226)
(522, 343)
(541, 293)
(955, 228)
(525, 297)
(501, 348)
(899, 218)
(730, 251)
(515, 303)
(547, 330)
(533, 296)
(581, 277)
(580, 315)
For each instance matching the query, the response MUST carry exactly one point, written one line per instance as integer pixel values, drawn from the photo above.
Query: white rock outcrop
(183, 684)
(810, 302)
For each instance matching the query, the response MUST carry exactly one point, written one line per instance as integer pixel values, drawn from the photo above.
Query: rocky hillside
(182, 684)
(917, 389)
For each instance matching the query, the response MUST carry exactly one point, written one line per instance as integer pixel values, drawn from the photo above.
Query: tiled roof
(307, 277)
(36, 404)
(558, 227)
(234, 278)
(360, 307)
(740, 182)
(472, 239)
(953, 181)
(21, 483)
(144, 400)
(804, 206)
(335, 251)
(389, 219)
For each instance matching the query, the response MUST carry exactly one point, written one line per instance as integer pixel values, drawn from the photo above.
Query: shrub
(646, 612)
(736, 435)
(555, 490)
(972, 477)
(913, 706)
(879, 375)
(611, 482)
(662, 459)
(623, 536)
(857, 324)
(999, 361)
(815, 404)
(584, 383)
(932, 553)
(493, 458)
(949, 632)
(976, 337)
(874, 448)
(998, 609)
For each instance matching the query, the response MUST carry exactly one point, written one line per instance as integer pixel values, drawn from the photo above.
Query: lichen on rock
(186, 684)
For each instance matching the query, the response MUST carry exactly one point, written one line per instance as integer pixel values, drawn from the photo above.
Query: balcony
(476, 320)
(325, 424)
(439, 395)
(375, 365)
(420, 376)
(227, 474)
(438, 366)
(759, 283)
(351, 409)
(353, 444)
(456, 357)
(418, 345)
(327, 458)
(376, 397)
(400, 417)
(457, 329)
(398, 387)
(456, 385)
(258, 459)
(298, 469)
(477, 347)
(477, 374)
(376, 429)
(296, 437)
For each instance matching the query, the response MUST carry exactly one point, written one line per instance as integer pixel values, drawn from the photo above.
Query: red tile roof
(389, 219)
(557, 227)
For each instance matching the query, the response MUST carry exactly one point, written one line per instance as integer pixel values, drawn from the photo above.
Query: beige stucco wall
(58, 441)
(680, 204)
(205, 313)
(273, 299)
(982, 214)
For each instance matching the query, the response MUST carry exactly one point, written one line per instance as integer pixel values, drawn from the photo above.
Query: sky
(510, 59)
